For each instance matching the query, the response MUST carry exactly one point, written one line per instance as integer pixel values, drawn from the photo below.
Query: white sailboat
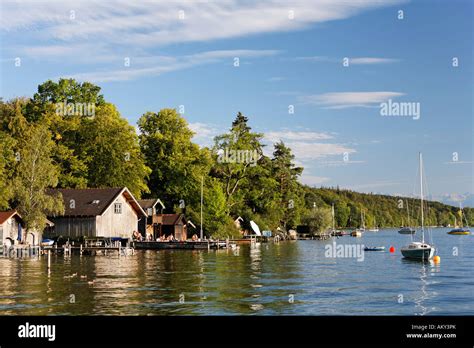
(419, 250)
(358, 231)
(460, 230)
(375, 228)
(407, 229)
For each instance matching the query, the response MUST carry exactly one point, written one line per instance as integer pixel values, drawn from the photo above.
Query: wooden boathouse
(97, 212)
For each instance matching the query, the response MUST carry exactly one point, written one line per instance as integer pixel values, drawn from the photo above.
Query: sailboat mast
(202, 189)
(408, 213)
(421, 194)
(333, 222)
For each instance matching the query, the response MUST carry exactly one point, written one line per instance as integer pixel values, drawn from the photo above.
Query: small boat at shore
(460, 230)
(356, 233)
(47, 242)
(374, 248)
(407, 230)
(375, 228)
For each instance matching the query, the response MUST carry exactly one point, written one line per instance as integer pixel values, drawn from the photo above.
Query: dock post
(208, 247)
(80, 250)
(49, 260)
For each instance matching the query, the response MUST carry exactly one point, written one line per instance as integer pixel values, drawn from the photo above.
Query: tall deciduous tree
(109, 147)
(177, 163)
(35, 173)
(7, 160)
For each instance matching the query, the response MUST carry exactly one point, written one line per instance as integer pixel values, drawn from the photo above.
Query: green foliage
(177, 164)
(35, 173)
(109, 148)
(7, 160)
(319, 220)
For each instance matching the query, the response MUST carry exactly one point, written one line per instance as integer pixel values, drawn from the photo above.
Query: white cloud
(312, 150)
(342, 100)
(204, 133)
(371, 60)
(371, 186)
(285, 135)
(276, 79)
(352, 61)
(153, 66)
(312, 180)
(338, 163)
(153, 23)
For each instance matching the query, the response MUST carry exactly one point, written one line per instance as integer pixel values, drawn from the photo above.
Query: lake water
(291, 278)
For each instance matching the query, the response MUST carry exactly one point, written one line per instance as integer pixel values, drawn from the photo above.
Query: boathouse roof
(5, 215)
(172, 219)
(150, 203)
(93, 201)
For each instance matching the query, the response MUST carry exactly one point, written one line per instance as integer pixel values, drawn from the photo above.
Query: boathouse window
(118, 208)
(150, 211)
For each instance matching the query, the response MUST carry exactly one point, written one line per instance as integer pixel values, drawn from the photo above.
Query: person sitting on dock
(194, 238)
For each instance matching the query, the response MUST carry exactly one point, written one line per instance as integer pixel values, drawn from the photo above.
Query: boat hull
(407, 231)
(418, 254)
(459, 232)
(374, 249)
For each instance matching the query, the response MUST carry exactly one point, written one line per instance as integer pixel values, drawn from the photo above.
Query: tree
(35, 173)
(233, 170)
(109, 148)
(7, 160)
(319, 220)
(177, 164)
(286, 174)
(64, 106)
(341, 213)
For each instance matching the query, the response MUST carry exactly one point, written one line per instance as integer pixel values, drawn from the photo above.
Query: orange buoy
(392, 249)
(436, 259)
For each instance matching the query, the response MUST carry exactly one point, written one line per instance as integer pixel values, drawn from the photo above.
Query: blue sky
(183, 53)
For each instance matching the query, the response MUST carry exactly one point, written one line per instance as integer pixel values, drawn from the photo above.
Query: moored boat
(407, 230)
(374, 248)
(419, 250)
(356, 233)
(460, 231)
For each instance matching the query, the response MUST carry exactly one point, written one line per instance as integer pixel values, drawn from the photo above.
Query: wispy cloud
(154, 66)
(276, 79)
(338, 163)
(205, 133)
(313, 180)
(288, 135)
(163, 22)
(342, 100)
(351, 61)
(459, 162)
(371, 60)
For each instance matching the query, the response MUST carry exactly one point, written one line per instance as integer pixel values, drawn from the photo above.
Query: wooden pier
(184, 245)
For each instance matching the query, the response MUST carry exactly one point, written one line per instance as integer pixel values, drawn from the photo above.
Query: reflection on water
(292, 278)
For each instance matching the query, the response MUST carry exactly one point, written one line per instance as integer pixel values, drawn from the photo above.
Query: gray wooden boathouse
(97, 212)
